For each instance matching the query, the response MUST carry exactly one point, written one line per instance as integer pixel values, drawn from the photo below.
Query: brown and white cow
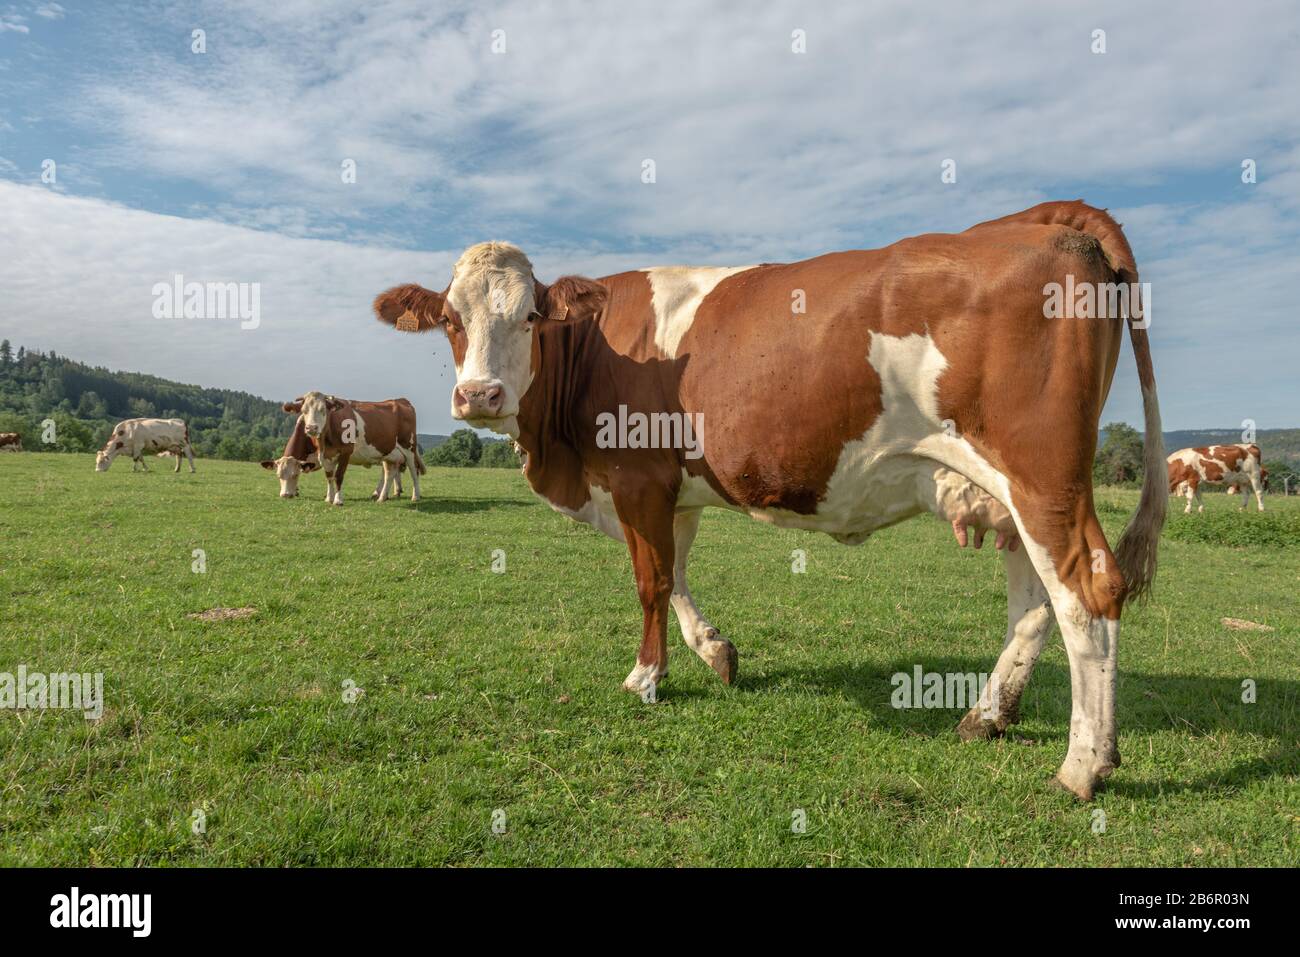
(1238, 465)
(369, 433)
(299, 457)
(11, 442)
(923, 376)
(137, 437)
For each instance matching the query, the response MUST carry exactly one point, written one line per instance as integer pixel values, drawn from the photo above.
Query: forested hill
(86, 402)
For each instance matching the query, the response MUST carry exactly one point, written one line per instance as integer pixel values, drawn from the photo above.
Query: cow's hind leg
(647, 520)
(1258, 487)
(1074, 562)
(380, 494)
(1029, 621)
(718, 653)
(411, 468)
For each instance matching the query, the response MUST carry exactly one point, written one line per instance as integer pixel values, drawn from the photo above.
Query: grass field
(496, 697)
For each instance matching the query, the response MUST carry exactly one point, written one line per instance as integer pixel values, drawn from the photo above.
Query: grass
(498, 694)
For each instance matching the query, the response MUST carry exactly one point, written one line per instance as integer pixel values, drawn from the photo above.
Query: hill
(85, 402)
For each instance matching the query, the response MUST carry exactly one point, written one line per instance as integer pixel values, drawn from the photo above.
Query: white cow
(136, 437)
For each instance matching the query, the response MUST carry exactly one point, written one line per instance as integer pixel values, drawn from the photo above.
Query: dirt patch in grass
(222, 614)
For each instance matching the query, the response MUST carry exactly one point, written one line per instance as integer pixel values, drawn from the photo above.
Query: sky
(531, 122)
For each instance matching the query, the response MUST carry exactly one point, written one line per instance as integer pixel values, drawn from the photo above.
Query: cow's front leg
(339, 472)
(718, 653)
(329, 465)
(1029, 621)
(1258, 488)
(647, 521)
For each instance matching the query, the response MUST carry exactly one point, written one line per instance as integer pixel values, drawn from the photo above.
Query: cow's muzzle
(478, 400)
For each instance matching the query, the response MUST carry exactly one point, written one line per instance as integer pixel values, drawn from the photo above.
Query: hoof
(1082, 784)
(727, 662)
(976, 727)
(644, 681)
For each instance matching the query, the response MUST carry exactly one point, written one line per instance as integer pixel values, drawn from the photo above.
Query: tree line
(45, 395)
(84, 403)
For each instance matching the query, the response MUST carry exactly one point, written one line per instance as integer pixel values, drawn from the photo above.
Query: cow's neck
(550, 412)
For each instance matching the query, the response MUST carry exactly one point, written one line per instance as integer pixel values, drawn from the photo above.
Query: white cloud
(50, 11)
(13, 22)
(78, 277)
(761, 154)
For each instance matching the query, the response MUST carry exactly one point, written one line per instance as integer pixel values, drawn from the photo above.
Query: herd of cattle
(920, 377)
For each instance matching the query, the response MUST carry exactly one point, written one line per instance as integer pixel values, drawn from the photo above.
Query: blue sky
(225, 165)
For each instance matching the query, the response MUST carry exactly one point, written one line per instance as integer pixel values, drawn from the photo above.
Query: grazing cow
(136, 437)
(300, 457)
(1238, 465)
(368, 433)
(11, 442)
(919, 377)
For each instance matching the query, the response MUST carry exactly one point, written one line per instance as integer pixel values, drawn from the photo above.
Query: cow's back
(942, 326)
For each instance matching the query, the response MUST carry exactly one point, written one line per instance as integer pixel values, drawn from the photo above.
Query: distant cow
(137, 437)
(368, 433)
(921, 377)
(1238, 465)
(10, 442)
(300, 457)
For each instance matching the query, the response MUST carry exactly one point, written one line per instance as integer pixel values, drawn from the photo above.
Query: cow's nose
(477, 400)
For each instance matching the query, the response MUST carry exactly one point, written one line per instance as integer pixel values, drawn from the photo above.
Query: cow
(299, 457)
(1238, 465)
(841, 394)
(11, 442)
(368, 433)
(136, 437)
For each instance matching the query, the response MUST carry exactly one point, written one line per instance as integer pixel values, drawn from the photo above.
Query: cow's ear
(573, 298)
(309, 466)
(295, 406)
(333, 403)
(409, 308)
(268, 463)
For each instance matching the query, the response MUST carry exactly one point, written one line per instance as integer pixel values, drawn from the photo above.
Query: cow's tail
(419, 460)
(1138, 546)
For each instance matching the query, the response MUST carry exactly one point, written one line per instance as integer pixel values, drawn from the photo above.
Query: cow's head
(104, 457)
(491, 313)
(287, 469)
(315, 408)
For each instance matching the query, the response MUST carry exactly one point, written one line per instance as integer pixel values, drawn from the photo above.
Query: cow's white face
(288, 470)
(495, 314)
(315, 412)
(490, 315)
(102, 461)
